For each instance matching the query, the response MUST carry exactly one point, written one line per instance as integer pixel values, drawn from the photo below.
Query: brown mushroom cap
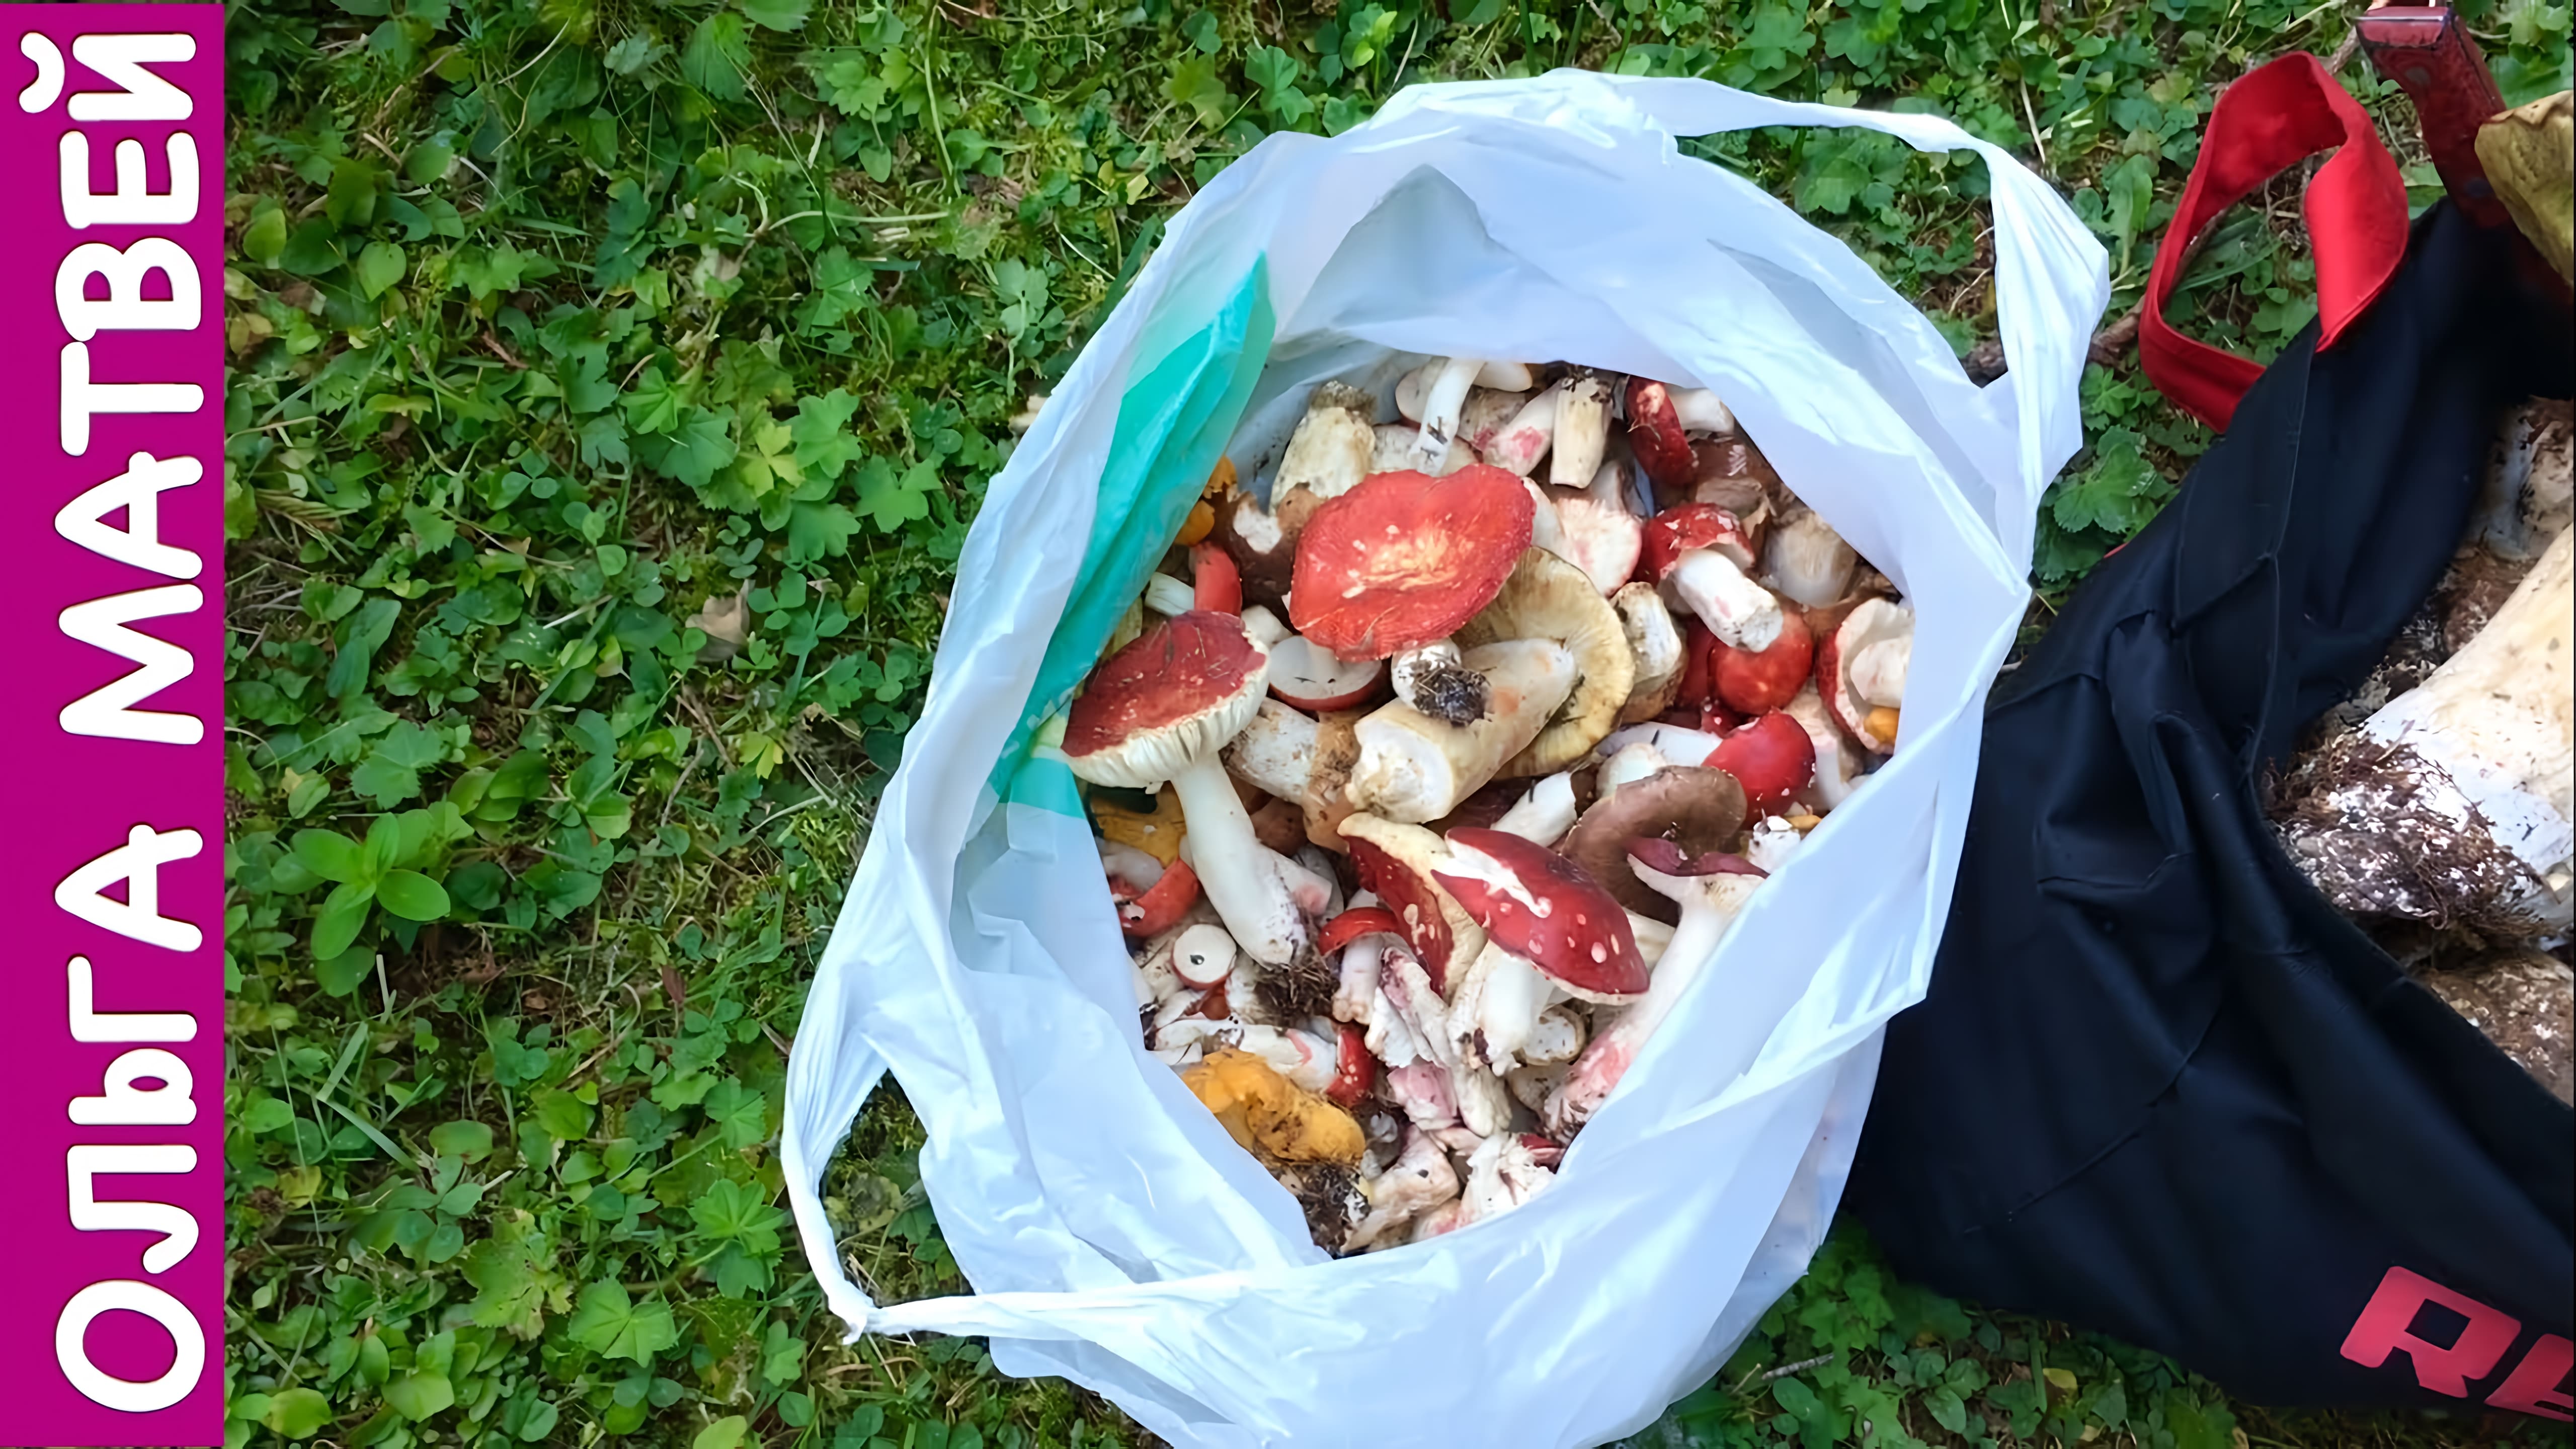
(1732, 473)
(1178, 691)
(1548, 598)
(1404, 558)
(1696, 807)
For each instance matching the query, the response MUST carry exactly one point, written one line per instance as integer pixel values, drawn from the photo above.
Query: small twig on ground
(1764, 1376)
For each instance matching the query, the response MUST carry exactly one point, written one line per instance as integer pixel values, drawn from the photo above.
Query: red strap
(2281, 114)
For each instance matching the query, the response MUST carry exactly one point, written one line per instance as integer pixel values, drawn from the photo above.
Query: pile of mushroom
(2437, 807)
(1428, 777)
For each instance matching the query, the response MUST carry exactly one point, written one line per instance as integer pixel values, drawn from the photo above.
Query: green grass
(613, 385)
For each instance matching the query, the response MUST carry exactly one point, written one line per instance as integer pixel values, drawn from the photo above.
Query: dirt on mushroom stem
(1304, 986)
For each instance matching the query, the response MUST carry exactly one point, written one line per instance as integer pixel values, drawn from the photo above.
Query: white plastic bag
(1114, 1233)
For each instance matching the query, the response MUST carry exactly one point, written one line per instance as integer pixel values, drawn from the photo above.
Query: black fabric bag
(2160, 1088)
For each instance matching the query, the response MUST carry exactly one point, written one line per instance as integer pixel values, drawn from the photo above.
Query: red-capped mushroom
(1699, 554)
(1404, 559)
(1150, 910)
(1216, 585)
(1548, 927)
(1771, 757)
(1710, 889)
(1400, 863)
(1861, 672)
(1758, 681)
(1314, 679)
(1661, 419)
(1162, 709)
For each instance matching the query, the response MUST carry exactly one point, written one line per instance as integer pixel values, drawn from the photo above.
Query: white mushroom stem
(1276, 752)
(1654, 938)
(2487, 745)
(1235, 871)
(1413, 768)
(1709, 905)
(1330, 451)
(1497, 1008)
(1395, 452)
(1543, 815)
(1678, 744)
(1203, 956)
(1414, 386)
(1125, 863)
(1357, 991)
(1582, 432)
(1837, 766)
(1312, 890)
(1700, 410)
(1734, 607)
(1167, 596)
(1628, 764)
(1547, 526)
(1525, 439)
(1652, 638)
(1487, 413)
(1771, 842)
(1878, 671)
(1265, 627)
(1441, 407)
(1805, 559)
(1557, 1038)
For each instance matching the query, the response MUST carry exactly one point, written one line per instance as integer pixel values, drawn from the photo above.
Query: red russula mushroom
(1158, 907)
(1699, 553)
(1758, 681)
(1548, 926)
(1399, 862)
(1354, 923)
(1710, 889)
(1161, 709)
(1861, 671)
(1216, 584)
(1771, 757)
(1660, 421)
(1313, 679)
(1404, 559)
(1541, 907)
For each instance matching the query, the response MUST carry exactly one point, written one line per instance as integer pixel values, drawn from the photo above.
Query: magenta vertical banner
(111, 385)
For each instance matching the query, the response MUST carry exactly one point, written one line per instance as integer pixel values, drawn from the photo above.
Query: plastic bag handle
(2274, 118)
(2043, 316)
